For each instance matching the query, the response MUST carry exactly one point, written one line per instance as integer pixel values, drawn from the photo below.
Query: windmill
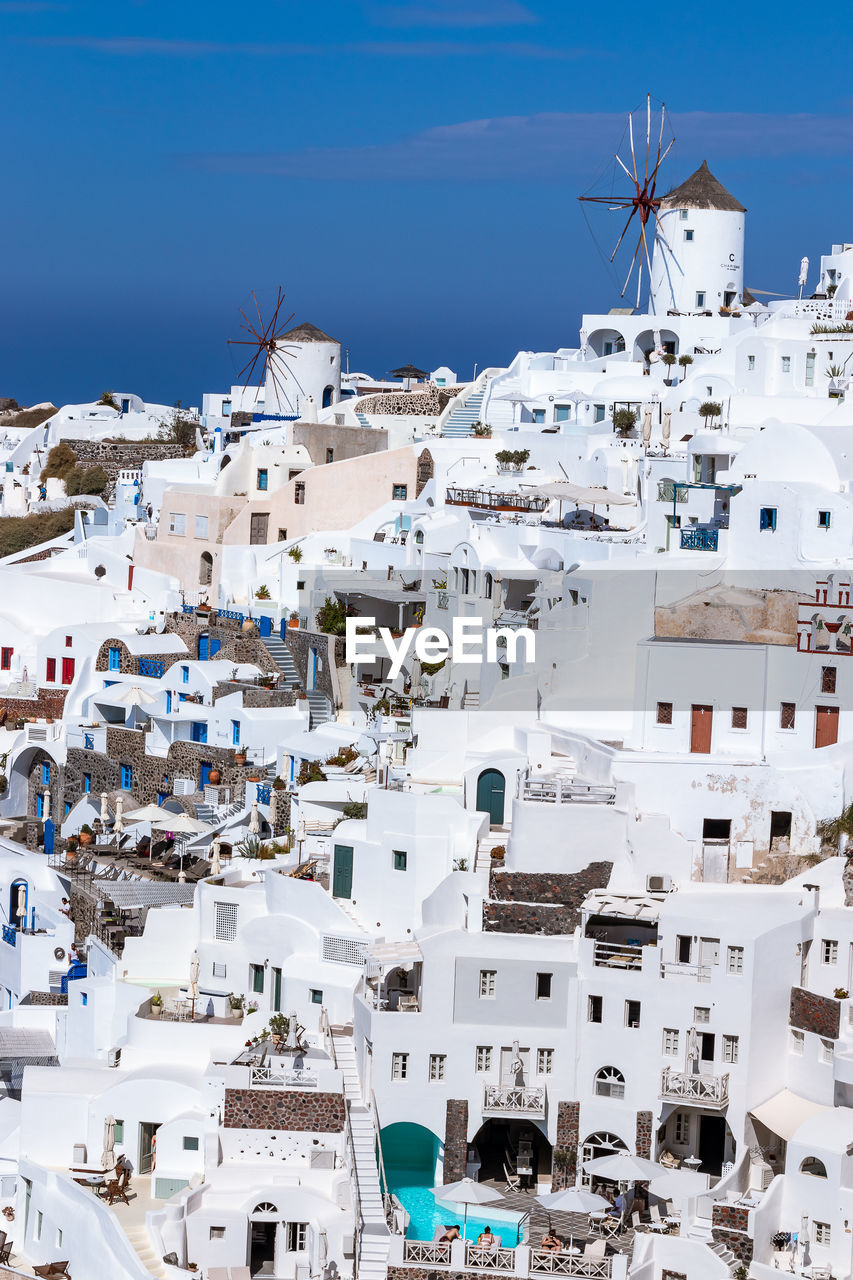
(640, 168)
(266, 340)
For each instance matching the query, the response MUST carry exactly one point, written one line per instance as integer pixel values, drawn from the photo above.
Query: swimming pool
(426, 1212)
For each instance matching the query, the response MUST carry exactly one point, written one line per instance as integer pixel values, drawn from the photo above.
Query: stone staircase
(724, 1254)
(373, 1236)
(464, 413)
(138, 1238)
(320, 708)
(471, 700)
(283, 659)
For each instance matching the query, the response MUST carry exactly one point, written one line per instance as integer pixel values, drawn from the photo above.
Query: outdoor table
(95, 1181)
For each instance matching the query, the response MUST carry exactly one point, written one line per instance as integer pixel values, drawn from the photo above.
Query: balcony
(701, 1090)
(10, 935)
(675, 969)
(153, 667)
(527, 1100)
(545, 1263)
(699, 539)
(562, 790)
(618, 955)
(293, 1078)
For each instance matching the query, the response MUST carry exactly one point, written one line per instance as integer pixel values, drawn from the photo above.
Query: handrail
(358, 1214)
(383, 1180)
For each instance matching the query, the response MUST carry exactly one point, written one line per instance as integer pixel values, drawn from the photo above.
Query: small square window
(399, 1066)
(664, 713)
(822, 1233)
(543, 986)
(730, 1049)
(437, 1064)
(798, 1041)
(483, 1058)
(263, 478)
(767, 519)
(787, 715)
(544, 1062)
(786, 364)
(400, 492)
(487, 983)
(688, 234)
(682, 214)
(826, 1052)
(598, 413)
(190, 1144)
(700, 300)
(316, 995)
(68, 642)
(330, 455)
(282, 535)
(750, 363)
(824, 519)
(217, 1233)
(400, 859)
(739, 717)
(827, 679)
(219, 970)
(299, 493)
(829, 951)
(595, 1009)
(701, 1014)
(734, 960)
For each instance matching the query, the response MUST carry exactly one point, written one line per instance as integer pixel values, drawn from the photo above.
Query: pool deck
(566, 1225)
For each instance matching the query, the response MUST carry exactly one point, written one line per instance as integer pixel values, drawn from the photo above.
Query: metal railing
(10, 934)
(263, 793)
(557, 790)
(486, 1258)
(618, 955)
(672, 968)
(543, 1262)
(699, 539)
(524, 1099)
(152, 667)
(681, 1086)
(297, 1077)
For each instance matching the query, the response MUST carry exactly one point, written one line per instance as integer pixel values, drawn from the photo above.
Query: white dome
(785, 453)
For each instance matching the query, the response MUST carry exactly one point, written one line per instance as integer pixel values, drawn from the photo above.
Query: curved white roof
(786, 453)
(626, 387)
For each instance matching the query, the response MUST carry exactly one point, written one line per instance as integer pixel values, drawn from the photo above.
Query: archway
(410, 1154)
(328, 397)
(491, 790)
(606, 342)
(15, 888)
(598, 1144)
(503, 1145)
(205, 569)
(646, 341)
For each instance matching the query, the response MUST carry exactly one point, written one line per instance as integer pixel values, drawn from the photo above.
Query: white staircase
(725, 1255)
(464, 412)
(373, 1236)
(471, 700)
(138, 1238)
(485, 845)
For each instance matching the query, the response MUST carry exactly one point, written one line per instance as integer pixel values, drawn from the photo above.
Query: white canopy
(785, 1112)
(583, 495)
(622, 1166)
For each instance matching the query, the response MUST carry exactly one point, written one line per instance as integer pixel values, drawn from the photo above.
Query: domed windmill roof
(701, 191)
(306, 333)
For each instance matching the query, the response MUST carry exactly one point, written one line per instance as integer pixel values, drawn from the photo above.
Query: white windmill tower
(697, 263)
(300, 368)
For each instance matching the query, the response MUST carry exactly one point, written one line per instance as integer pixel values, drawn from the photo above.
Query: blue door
(204, 777)
(49, 831)
(203, 648)
(266, 625)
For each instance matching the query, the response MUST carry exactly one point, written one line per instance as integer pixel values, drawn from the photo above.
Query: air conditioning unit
(113, 1057)
(658, 884)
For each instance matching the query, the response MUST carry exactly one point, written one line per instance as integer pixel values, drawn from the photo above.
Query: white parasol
(215, 865)
(622, 1166)
(573, 1200)
(667, 427)
(118, 825)
(254, 820)
(105, 813)
(647, 425)
(466, 1192)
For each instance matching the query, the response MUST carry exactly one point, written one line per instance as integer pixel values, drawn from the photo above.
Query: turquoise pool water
(426, 1213)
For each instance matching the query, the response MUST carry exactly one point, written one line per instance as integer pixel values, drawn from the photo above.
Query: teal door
(276, 990)
(490, 795)
(342, 876)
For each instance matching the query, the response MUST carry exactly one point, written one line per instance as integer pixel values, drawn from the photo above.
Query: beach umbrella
(622, 1166)
(130, 696)
(516, 398)
(118, 825)
(466, 1192)
(678, 1184)
(647, 425)
(254, 820)
(105, 813)
(195, 969)
(572, 1200)
(108, 1155)
(667, 427)
(180, 824)
(45, 809)
(21, 911)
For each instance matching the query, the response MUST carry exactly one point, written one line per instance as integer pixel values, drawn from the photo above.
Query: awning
(785, 1112)
(582, 494)
(382, 954)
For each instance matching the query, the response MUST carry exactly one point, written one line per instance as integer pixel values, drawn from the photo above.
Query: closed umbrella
(118, 825)
(273, 807)
(45, 810)
(667, 427)
(195, 969)
(215, 866)
(21, 911)
(647, 425)
(108, 1155)
(105, 813)
(292, 1039)
(466, 1192)
(254, 820)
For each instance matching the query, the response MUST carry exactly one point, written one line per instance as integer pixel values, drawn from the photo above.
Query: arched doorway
(328, 397)
(205, 569)
(263, 1226)
(16, 920)
(598, 1144)
(491, 790)
(508, 1146)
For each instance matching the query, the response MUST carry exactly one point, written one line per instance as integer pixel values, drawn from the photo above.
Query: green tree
(710, 409)
(60, 461)
(624, 421)
(180, 429)
(684, 363)
(88, 480)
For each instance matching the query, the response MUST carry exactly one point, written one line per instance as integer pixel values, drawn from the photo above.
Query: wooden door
(258, 528)
(491, 787)
(342, 875)
(826, 726)
(700, 729)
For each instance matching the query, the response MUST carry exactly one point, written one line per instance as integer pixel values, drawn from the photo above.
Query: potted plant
(86, 835)
(254, 777)
(240, 757)
(624, 421)
(669, 359)
(263, 592)
(295, 554)
(156, 1004)
(293, 620)
(279, 784)
(683, 363)
(71, 844)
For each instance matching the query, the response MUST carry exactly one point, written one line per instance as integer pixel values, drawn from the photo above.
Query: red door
(67, 670)
(700, 729)
(826, 726)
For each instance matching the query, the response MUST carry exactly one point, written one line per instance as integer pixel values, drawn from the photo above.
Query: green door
(276, 990)
(342, 877)
(490, 795)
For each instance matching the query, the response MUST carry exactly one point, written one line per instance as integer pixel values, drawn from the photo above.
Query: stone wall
(810, 1012)
(455, 1139)
(35, 786)
(129, 663)
(45, 998)
(729, 1227)
(45, 702)
(643, 1143)
(83, 911)
(424, 472)
(287, 1110)
(236, 646)
(565, 1158)
(122, 455)
(254, 695)
(300, 642)
(528, 902)
(408, 403)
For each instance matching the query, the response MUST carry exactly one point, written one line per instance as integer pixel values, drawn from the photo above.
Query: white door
(709, 951)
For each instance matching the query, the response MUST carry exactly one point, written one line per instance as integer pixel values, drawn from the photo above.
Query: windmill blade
(249, 327)
(633, 156)
(619, 161)
(654, 176)
(630, 269)
(258, 309)
(250, 366)
(648, 132)
(660, 138)
(624, 231)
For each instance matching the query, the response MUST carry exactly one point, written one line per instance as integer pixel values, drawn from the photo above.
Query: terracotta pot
(84, 838)
(214, 777)
(293, 622)
(254, 777)
(240, 758)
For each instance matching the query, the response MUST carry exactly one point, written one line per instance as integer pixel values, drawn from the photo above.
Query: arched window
(487, 585)
(205, 569)
(813, 1167)
(610, 1083)
(598, 1144)
(266, 1207)
(419, 536)
(328, 397)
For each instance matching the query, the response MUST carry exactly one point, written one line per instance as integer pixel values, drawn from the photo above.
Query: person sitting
(551, 1243)
(486, 1238)
(450, 1234)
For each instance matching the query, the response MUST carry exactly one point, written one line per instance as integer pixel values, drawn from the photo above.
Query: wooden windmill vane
(266, 339)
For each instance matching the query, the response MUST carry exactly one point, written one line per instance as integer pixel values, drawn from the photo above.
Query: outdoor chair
(512, 1180)
(657, 1222)
(50, 1270)
(115, 1190)
(636, 1223)
(595, 1249)
(5, 1249)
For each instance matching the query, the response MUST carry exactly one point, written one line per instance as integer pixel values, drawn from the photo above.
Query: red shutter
(50, 670)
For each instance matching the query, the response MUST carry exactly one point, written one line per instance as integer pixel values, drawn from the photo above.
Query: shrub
(180, 429)
(108, 399)
(355, 809)
(332, 617)
(310, 771)
(263, 592)
(624, 421)
(60, 461)
(512, 457)
(18, 533)
(295, 554)
(710, 409)
(88, 480)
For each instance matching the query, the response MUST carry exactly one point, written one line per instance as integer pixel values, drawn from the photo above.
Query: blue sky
(406, 169)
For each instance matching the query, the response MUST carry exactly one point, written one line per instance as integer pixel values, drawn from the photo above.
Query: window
(787, 715)
(562, 412)
(68, 670)
(740, 716)
(297, 1237)
(594, 1009)
(730, 1049)
(39, 1222)
(6, 657)
(598, 413)
(701, 1014)
(827, 679)
(315, 995)
(487, 984)
(282, 535)
(734, 960)
(767, 519)
(68, 642)
(217, 1233)
(263, 478)
(750, 363)
(700, 300)
(543, 986)
(177, 523)
(185, 675)
(330, 455)
(40, 805)
(829, 951)
(114, 659)
(544, 1062)
(798, 1041)
(201, 527)
(826, 1052)
(50, 670)
(190, 1144)
(682, 1128)
(682, 213)
(688, 234)
(632, 1013)
(126, 777)
(399, 1066)
(813, 1167)
(670, 1042)
(219, 970)
(437, 1063)
(225, 926)
(610, 1083)
(256, 977)
(45, 774)
(810, 363)
(400, 492)
(84, 998)
(683, 948)
(483, 1058)
(299, 493)
(822, 1232)
(400, 857)
(235, 733)
(87, 782)
(664, 713)
(168, 702)
(824, 519)
(786, 364)
(538, 415)
(118, 1134)
(198, 731)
